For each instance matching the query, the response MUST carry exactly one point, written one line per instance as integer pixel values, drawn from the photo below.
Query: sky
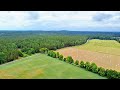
(60, 20)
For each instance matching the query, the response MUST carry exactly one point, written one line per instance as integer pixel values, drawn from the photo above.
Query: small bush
(48, 53)
(76, 62)
(87, 66)
(94, 68)
(43, 50)
(57, 55)
(53, 54)
(69, 59)
(64, 59)
(82, 65)
(101, 71)
(60, 57)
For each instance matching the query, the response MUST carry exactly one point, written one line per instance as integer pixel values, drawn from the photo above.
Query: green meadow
(40, 66)
(111, 47)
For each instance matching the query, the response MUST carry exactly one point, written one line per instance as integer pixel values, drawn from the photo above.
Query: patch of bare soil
(101, 59)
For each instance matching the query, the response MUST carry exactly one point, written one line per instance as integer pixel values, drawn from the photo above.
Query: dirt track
(101, 59)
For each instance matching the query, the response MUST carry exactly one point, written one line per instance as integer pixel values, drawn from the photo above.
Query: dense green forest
(15, 44)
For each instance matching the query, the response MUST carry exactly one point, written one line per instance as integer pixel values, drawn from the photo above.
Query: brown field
(106, 60)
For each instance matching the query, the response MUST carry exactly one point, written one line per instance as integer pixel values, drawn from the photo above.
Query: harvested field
(105, 53)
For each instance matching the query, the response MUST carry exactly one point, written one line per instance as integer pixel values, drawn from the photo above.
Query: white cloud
(57, 19)
(13, 19)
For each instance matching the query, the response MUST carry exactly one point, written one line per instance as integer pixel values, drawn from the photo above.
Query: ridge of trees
(92, 67)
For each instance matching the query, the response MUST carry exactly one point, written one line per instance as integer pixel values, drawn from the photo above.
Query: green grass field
(104, 46)
(43, 67)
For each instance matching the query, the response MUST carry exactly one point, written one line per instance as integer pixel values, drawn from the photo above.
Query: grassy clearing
(104, 46)
(40, 66)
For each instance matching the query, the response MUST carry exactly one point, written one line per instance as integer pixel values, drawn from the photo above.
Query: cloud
(33, 15)
(58, 19)
(102, 17)
(107, 19)
(13, 19)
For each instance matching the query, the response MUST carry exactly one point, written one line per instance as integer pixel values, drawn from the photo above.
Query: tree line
(92, 67)
(12, 48)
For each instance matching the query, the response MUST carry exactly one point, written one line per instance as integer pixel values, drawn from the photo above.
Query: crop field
(40, 66)
(105, 53)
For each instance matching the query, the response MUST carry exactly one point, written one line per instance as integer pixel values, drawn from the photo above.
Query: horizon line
(61, 30)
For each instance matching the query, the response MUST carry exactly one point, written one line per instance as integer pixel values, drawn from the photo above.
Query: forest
(16, 44)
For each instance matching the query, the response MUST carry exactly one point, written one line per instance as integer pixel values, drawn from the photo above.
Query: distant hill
(60, 32)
